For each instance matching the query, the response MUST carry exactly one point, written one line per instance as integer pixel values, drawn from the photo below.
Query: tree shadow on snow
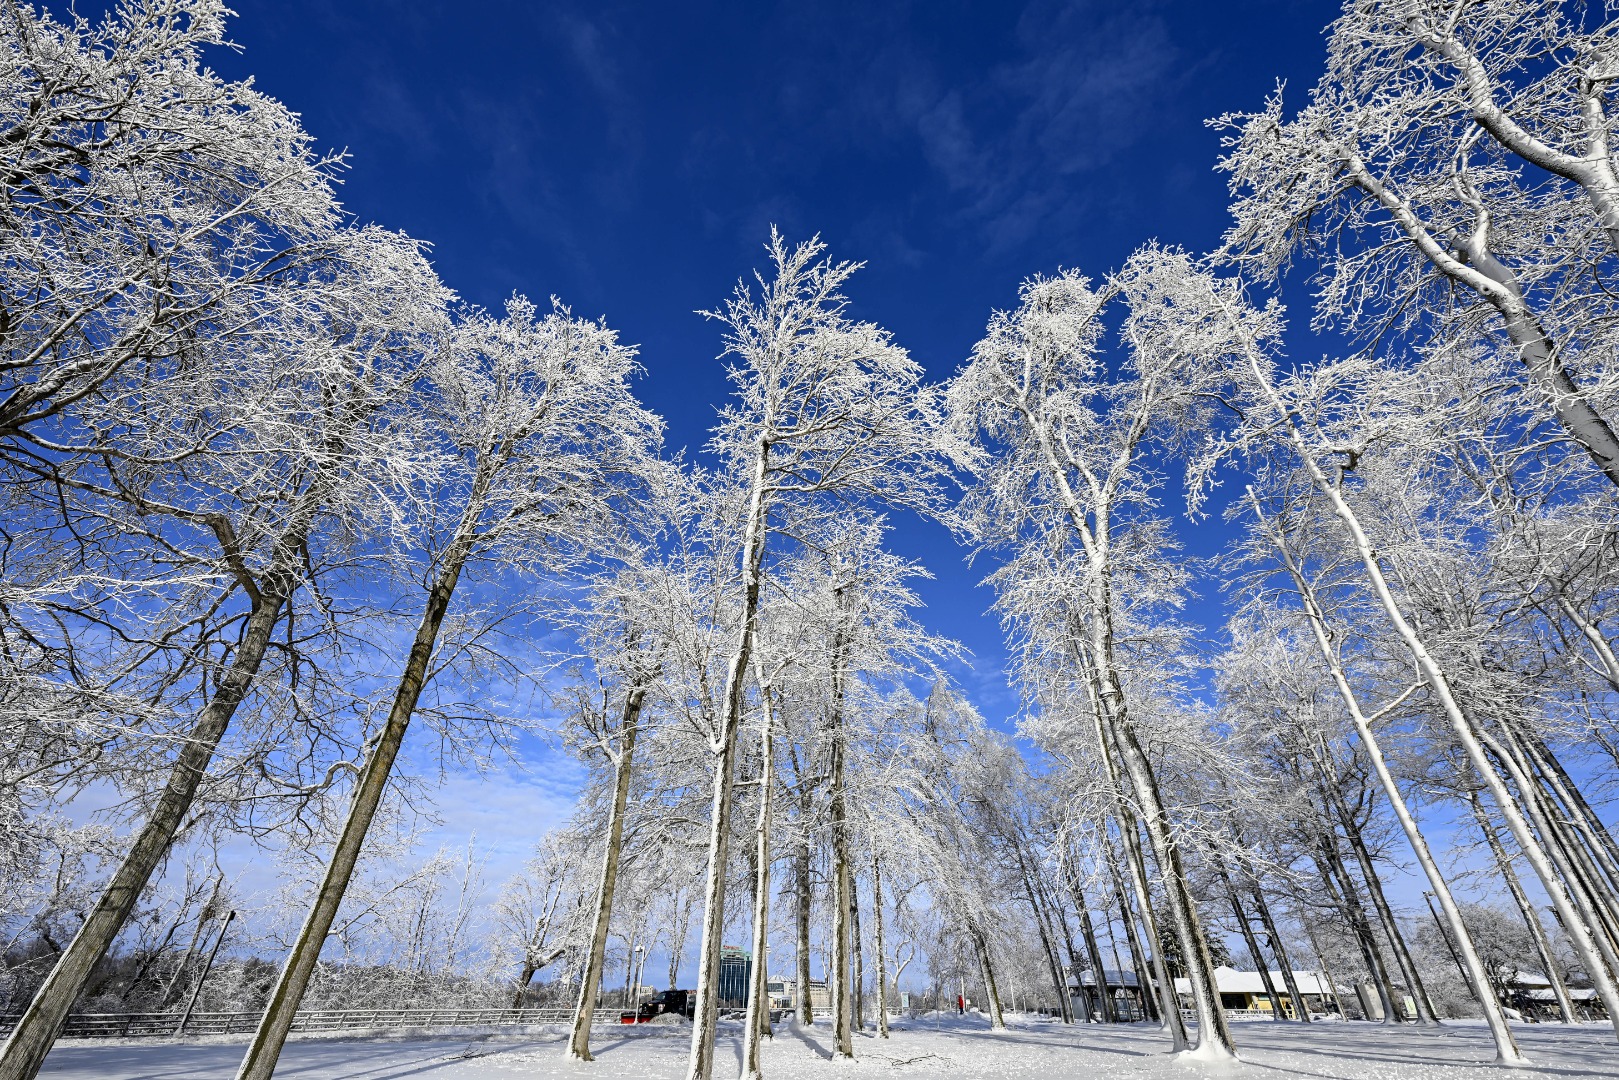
(797, 1032)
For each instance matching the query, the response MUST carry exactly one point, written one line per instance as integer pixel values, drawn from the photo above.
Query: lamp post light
(640, 972)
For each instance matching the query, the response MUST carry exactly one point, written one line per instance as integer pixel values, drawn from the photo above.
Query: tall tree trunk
(1038, 912)
(584, 1010)
(842, 883)
(1052, 914)
(1558, 848)
(1169, 1005)
(1108, 702)
(1341, 888)
(1590, 826)
(1168, 999)
(1320, 958)
(1075, 963)
(40, 1023)
(1301, 1011)
(801, 927)
(1565, 1004)
(882, 960)
(857, 981)
(1506, 1045)
(625, 1000)
(1576, 922)
(264, 1050)
(1116, 735)
(758, 1022)
(1087, 931)
(1374, 889)
(700, 1065)
(1152, 1004)
(997, 1021)
(1247, 932)
(1214, 1035)
(1573, 887)
(838, 969)
(1563, 812)
(677, 937)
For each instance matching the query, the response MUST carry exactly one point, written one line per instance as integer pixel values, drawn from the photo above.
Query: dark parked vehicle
(679, 1002)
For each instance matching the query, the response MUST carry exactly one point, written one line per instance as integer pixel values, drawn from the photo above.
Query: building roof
(1114, 976)
(1573, 995)
(1231, 981)
(1527, 979)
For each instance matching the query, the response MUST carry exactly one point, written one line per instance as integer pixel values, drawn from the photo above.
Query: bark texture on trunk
(997, 1021)
(1087, 931)
(1565, 1004)
(36, 1030)
(1341, 888)
(265, 1049)
(758, 1011)
(607, 885)
(1279, 951)
(1470, 264)
(842, 879)
(877, 943)
(857, 980)
(801, 928)
(700, 1065)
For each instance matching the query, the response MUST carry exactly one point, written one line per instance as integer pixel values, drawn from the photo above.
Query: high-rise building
(736, 968)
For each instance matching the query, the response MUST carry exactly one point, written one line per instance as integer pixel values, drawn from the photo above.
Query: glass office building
(736, 968)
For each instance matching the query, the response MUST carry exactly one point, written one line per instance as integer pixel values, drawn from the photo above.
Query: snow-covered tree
(543, 438)
(1056, 434)
(825, 408)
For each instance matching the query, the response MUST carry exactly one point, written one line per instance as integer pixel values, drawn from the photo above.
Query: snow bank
(945, 1047)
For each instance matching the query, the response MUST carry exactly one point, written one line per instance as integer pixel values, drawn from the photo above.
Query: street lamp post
(640, 972)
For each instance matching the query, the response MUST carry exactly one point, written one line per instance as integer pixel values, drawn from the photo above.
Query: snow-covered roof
(1573, 994)
(1527, 978)
(1115, 977)
(1231, 981)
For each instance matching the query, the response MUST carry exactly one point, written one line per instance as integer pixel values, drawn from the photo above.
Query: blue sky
(631, 158)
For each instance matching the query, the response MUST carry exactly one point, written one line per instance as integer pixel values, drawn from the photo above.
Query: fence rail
(1239, 1015)
(135, 1025)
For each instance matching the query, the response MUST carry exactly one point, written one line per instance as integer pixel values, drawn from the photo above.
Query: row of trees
(273, 496)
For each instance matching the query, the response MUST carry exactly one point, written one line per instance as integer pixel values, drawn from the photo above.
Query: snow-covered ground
(951, 1049)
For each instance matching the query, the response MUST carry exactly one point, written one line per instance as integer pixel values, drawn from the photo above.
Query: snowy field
(918, 1049)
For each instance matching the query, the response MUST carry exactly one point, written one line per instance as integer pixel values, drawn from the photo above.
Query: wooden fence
(135, 1025)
